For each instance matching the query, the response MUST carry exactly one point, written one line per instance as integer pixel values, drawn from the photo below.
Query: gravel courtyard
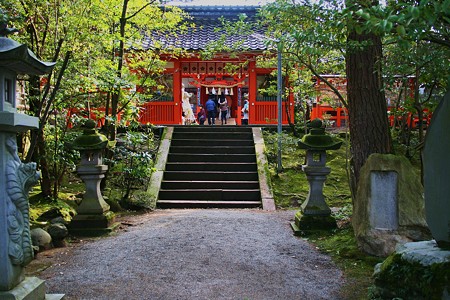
(194, 254)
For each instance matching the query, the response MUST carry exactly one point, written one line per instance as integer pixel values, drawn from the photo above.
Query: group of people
(220, 107)
(213, 107)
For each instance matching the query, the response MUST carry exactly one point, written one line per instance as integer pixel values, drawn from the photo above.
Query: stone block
(389, 208)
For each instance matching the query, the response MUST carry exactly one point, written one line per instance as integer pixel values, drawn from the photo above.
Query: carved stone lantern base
(307, 224)
(92, 224)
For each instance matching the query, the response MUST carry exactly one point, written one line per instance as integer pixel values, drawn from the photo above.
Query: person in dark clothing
(201, 116)
(211, 109)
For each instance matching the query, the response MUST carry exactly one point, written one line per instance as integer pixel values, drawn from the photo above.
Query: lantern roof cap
(90, 139)
(21, 60)
(317, 139)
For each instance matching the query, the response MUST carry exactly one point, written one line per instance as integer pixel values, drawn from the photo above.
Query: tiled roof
(207, 20)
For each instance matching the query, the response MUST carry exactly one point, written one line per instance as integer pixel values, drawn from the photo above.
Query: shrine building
(235, 76)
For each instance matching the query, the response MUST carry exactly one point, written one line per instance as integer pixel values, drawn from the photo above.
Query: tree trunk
(368, 122)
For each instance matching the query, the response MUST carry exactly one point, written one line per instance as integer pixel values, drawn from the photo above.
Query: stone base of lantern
(93, 225)
(30, 288)
(307, 224)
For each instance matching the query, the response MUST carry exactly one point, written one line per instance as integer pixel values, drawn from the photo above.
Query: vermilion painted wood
(158, 113)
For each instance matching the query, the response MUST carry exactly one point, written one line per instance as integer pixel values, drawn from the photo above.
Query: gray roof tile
(207, 20)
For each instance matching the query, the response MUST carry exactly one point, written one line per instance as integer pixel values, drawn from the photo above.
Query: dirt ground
(193, 254)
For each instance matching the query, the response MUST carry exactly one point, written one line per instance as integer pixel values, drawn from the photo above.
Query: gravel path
(196, 254)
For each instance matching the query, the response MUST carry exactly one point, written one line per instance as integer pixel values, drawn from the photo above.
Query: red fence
(266, 112)
(339, 116)
(160, 113)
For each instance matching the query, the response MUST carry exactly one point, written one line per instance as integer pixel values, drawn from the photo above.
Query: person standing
(211, 111)
(223, 106)
(245, 112)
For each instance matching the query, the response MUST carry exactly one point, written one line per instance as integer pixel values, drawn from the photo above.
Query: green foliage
(131, 166)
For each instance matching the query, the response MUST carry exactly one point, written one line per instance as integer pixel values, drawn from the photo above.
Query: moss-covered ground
(291, 189)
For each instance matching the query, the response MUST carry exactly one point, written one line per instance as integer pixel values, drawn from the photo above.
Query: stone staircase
(210, 167)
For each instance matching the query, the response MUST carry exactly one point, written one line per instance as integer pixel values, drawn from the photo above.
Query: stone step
(213, 135)
(213, 149)
(212, 129)
(210, 176)
(210, 158)
(205, 184)
(207, 204)
(220, 166)
(210, 167)
(210, 194)
(211, 142)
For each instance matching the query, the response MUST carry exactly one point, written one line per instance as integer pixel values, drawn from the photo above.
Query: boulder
(41, 239)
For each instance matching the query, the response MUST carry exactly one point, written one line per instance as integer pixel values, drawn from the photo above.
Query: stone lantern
(93, 215)
(16, 178)
(315, 213)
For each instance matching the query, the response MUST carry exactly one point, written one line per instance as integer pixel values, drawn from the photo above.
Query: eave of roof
(19, 59)
(207, 20)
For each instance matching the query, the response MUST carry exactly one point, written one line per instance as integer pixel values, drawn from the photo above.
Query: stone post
(16, 178)
(315, 213)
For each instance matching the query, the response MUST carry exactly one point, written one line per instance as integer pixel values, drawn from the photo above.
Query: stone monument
(389, 209)
(93, 215)
(16, 178)
(315, 213)
(421, 270)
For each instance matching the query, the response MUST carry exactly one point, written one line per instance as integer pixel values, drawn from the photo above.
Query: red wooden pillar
(252, 91)
(177, 81)
(239, 105)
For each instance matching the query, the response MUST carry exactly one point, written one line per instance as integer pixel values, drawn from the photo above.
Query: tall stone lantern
(93, 215)
(315, 213)
(16, 178)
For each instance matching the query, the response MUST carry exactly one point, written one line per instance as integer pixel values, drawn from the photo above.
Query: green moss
(410, 280)
(40, 205)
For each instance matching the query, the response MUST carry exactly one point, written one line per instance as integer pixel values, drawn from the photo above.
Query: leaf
(401, 30)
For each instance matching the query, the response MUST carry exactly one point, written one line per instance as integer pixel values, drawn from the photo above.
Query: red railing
(266, 112)
(159, 113)
(338, 116)
(412, 120)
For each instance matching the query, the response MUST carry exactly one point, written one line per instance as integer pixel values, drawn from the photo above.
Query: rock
(58, 232)
(50, 214)
(389, 209)
(419, 270)
(59, 220)
(41, 239)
